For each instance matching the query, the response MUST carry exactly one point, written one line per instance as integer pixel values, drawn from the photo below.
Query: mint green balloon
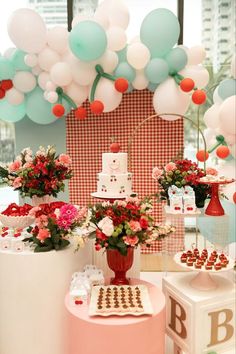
(152, 87)
(7, 70)
(160, 31)
(39, 110)
(122, 55)
(126, 71)
(17, 59)
(88, 40)
(176, 60)
(11, 113)
(156, 70)
(227, 88)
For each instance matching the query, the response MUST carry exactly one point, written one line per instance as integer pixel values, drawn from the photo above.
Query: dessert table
(114, 334)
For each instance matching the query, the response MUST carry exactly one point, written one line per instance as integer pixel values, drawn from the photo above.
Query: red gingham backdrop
(154, 144)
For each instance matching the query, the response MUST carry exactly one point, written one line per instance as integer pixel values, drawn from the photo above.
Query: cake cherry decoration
(187, 84)
(58, 110)
(115, 147)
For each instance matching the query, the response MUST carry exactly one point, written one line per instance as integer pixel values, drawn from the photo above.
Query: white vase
(46, 199)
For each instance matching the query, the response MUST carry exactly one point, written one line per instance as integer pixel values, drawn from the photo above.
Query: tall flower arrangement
(41, 174)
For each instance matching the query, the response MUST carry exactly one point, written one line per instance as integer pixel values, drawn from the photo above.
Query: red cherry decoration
(121, 84)
(222, 152)
(202, 155)
(58, 110)
(234, 197)
(97, 107)
(115, 147)
(187, 85)
(6, 84)
(199, 97)
(80, 113)
(2, 93)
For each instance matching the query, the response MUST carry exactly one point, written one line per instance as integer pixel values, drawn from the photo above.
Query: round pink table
(118, 335)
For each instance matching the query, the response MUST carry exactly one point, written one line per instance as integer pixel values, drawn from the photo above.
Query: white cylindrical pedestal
(32, 292)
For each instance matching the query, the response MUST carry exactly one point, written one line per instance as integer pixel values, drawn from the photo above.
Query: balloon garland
(63, 69)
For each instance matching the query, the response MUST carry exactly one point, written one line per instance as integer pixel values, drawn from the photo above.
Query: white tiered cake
(114, 181)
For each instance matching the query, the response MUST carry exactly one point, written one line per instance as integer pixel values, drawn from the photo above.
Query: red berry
(202, 155)
(97, 107)
(187, 85)
(6, 84)
(2, 93)
(121, 84)
(80, 113)
(199, 97)
(222, 152)
(115, 147)
(58, 110)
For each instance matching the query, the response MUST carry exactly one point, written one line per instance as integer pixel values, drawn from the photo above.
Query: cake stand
(108, 198)
(203, 280)
(215, 208)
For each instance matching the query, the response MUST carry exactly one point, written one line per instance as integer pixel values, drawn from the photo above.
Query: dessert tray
(120, 301)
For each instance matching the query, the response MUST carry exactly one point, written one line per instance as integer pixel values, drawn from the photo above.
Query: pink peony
(68, 211)
(64, 223)
(156, 173)
(81, 213)
(135, 226)
(64, 159)
(43, 234)
(14, 166)
(17, 182)
(211, 171)
(131, 240)
(106, 226)
(171, 166)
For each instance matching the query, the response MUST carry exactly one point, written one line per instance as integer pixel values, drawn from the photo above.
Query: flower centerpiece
(42, 174)
(55, 225)
(121, 226)
(183, 173)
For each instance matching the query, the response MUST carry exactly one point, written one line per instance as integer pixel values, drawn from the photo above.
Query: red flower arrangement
(41, 174)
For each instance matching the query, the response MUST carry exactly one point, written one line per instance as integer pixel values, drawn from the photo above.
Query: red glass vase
(120, 265)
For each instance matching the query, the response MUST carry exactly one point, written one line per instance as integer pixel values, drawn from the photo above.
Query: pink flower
(171, 166)
(68, 211)
(134, 200)
(130, 240)
(135, 226)
(156, 173)
(211, 171)
(64, 159)
(64, 223)
(81, 213)
(106, 226)
(28, 165)
(14, 166)
(43, 234)
(143, 222)
(17, 182)
(41, 221)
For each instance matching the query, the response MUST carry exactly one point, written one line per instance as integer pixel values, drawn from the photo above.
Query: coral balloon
(187, 85)
(202, 155)
(199, 97)
(121, 84)
(97, 107)
(58, 110)
(222, 152)
(80, 113)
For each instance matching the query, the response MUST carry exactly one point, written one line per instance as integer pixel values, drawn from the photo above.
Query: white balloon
(116, 38)
(47, 58)
(230, 139)
(45, 95)
(8, 53)
(31, 60)
(27, 30)
(140, 82)
(118, 14)
(233, 67)
(24, 81)
(135, 39)
(196, 55)
(197, 73)
(107, 93)
(233, 150)
(227, 169)
(138, 55)
(211, 116)
(50, 86)
(216, 97)
(82, 73)
(210, 137)
(168, 98)
(14, 96)
(101, 14)
(57, 38)
(61, 74)
(52, 97)
(227, 115)
(109, 61)
(36, 70)
(43, 78)
(77, 93)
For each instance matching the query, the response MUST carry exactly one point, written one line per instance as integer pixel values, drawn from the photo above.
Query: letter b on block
(215, 325)
(177, 316)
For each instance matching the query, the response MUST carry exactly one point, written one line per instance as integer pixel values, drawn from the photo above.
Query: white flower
(28, 158)
(18, 158)
(106, 225)
(27, 151)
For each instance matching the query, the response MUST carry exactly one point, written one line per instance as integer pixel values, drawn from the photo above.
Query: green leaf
(43, 248)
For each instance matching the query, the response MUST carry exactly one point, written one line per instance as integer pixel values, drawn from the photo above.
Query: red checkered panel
(154, 144)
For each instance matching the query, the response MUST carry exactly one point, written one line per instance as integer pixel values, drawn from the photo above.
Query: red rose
(100, 235)
(143, 223)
